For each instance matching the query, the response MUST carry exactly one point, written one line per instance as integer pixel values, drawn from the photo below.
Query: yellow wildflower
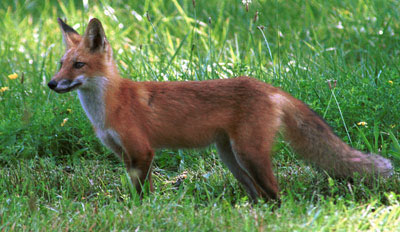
(390, 82)
(13, 76)
(69, 111)
(393, 126)
(64, 121)
(3, 89)
(362, 123)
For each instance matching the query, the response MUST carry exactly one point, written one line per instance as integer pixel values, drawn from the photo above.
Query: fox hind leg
(252, 149)
(259, 168)
(228, 158)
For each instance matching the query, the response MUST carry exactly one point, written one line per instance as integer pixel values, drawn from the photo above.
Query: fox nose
(52, 84)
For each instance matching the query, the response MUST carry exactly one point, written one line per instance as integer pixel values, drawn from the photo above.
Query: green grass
(55, 177)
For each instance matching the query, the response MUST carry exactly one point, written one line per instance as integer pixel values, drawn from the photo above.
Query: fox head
(86, 57)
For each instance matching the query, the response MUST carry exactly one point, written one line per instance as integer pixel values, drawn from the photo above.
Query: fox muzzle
(64, 85)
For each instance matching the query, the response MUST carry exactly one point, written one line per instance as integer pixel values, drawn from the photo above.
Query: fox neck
(92, 100)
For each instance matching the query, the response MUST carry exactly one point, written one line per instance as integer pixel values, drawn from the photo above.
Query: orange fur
(240, 115)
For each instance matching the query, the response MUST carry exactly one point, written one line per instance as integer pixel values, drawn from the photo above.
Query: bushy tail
(314, 140)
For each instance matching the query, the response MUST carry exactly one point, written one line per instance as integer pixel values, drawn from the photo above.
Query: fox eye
(78, 65)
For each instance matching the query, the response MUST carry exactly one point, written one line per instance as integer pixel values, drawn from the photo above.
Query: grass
(55, 175)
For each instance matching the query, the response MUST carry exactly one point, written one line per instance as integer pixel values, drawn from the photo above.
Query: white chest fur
(91, 95)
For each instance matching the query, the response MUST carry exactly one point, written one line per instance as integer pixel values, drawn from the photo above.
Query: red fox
(240, 115)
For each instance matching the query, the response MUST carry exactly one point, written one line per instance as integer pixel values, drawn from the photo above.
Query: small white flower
(339, 26)
(137, 16)
(109, 11)
(21, 48)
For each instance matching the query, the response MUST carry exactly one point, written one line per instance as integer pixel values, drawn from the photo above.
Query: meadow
(342, 58)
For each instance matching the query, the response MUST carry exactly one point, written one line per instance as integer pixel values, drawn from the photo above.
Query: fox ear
(70, 36)
(95, 38)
